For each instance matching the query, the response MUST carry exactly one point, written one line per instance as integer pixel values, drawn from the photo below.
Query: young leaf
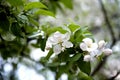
(54, 29)
(83, 76)
(67, 3)
(73, 27)
(33, 5)
(44, 12)
(15, 2)
(78, 36)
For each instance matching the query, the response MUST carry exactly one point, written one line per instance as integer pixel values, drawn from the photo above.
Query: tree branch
(112, 78)
(109, 26)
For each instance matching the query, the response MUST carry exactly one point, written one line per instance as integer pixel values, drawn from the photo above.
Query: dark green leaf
(75, 57)
(44, 12)
(4, 22)
(33, 5)
(42, 42)
(16, 29)
(84, 66)
(64, 56)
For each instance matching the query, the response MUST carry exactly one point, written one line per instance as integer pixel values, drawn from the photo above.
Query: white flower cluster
(94, 49)
(60, 42)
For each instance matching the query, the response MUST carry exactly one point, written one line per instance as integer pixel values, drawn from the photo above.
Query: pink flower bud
(101, 44)
(107, 51)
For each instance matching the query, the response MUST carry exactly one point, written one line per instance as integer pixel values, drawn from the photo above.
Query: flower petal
(107, 51)
(66, 37)
(67, 44)
(101, 44)
(57, 48)
(83, 46)
(52, 40)
(88, 41)
(92, 47)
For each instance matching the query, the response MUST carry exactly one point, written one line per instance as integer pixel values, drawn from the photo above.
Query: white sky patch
(25, 73)
(8, 67)
(36, 54)
(64, 77)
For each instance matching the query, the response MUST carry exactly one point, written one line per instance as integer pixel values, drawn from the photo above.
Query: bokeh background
(103, 19)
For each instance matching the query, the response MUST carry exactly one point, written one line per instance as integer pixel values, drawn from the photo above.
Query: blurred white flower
(107, 51)
(101, 44)
(102, 48)
(87, 58)
(60, 41)
(88, 45)
(93, 49)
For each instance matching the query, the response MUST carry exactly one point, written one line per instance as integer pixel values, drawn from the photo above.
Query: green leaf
(34, 22)
(73, 27)
(49, 54)
(15, 2)
(75, 57)
(64, 56)
(33, 5)
(4, 22)
(54, 64)
(54, 29)
(67, 3)
(16, 29)
(84, 66)
(78, 35)
(83, 76)
(44, 12)
(42, 42)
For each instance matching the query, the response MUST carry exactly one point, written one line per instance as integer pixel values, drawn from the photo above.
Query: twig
(109, 26)
(112, 78)
(99, 66)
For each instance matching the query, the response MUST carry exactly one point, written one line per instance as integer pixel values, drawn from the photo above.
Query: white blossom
(60, 41)
(57, 48)
(88, 45)
(93, 49)
(67, 44)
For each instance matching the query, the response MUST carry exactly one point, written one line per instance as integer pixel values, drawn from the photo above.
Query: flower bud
(101, 44)
(87, 58)
(107, 51)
